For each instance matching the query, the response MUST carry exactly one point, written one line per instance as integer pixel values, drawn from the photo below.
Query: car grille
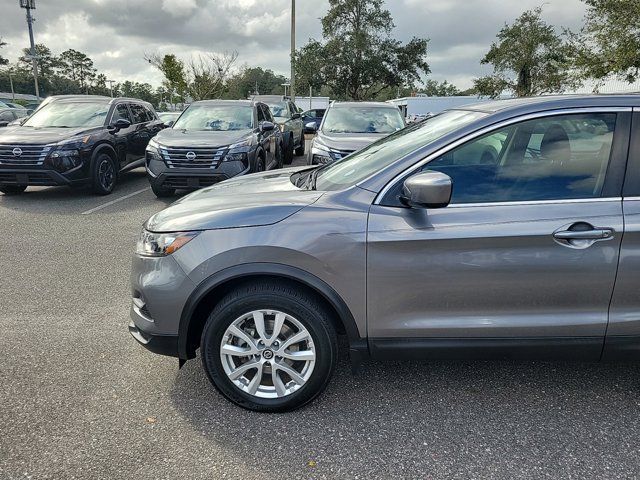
(192, 157)
(28, 178)
(181, 182)
(339, 154)
(23, 155)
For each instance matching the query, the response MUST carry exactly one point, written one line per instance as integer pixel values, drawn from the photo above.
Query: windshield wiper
(313, 177)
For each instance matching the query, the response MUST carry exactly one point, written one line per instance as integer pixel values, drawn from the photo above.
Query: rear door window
(139, 113)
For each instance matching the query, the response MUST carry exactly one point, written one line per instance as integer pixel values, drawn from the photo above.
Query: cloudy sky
(117, 33)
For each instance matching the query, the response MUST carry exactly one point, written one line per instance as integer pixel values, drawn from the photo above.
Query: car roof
(362, 104)
(224, 102)
(94, 98)
(551, 102)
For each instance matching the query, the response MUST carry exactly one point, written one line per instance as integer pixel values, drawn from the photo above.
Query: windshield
(360, 165)
(217, 118)
(167, 116)
(279, 109)
(69, 114)
(362, 120)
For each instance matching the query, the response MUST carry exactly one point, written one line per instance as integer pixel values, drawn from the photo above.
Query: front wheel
(300, 149)
(269, 347)
(288, 150)
(103, 175)
(13, 189)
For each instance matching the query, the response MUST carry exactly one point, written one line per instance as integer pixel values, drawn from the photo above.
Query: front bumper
(160, 344)
(35, 177)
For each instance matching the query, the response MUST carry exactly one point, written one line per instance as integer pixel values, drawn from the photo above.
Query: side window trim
(382, 197)
(115, 109)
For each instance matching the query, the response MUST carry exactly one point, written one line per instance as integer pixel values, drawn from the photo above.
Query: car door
(623, 333)
(526, 253)
(296, 123)
(123, 137)
(142, 133)
(270, 137)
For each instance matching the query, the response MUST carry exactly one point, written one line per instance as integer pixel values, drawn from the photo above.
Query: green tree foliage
(175, 75)
(248, 81)
(358, 58)
(609, 42)
(47, 62)
(3, 61)
(529, 58)
(77, 66)
(433, 88)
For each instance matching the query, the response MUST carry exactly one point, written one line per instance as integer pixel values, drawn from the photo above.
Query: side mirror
(296, 116)
(267, 127)
(428, 189)
(121, 124)
(4, 123)
(169, 124)
(310, 127)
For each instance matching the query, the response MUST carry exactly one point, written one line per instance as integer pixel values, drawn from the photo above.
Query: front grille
(181, 182)
(23, 155)
(340, 154)
(200, 157)
(27, 178)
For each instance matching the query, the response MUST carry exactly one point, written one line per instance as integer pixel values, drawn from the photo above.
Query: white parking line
(112, 202)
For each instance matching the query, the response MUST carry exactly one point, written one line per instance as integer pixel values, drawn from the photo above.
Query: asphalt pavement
(79, 399)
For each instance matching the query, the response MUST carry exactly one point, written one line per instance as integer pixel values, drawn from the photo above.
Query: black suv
(211, 141)
(76, 139)
(287, 116)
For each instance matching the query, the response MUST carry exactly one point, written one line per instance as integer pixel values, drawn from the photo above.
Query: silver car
(509, 229)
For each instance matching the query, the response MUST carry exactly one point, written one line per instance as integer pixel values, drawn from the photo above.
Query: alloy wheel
(106, 174)
(267, 354)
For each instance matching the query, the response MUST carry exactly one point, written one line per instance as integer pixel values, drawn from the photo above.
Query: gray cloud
(117, 33)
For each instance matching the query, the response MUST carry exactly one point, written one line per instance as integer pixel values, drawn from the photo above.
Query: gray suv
(504, 230)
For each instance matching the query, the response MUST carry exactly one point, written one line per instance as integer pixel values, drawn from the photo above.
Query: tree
(77, 66)
(359, 58)
(173, 69)
(208, 74)
(47, 62)
(609, 42)
(251, 80)
(3, 61)
(433, 88)
(530, 58)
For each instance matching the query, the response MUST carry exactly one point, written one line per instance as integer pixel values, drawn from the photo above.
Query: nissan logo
(17, 152)
(191, 155)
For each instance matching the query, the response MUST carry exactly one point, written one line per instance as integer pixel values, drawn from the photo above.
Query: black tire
(287, 298)
(12, 189)
(288, 150)
(280, 155)
(300, 149)
(162, 192)
(259, 167)
(104, 174)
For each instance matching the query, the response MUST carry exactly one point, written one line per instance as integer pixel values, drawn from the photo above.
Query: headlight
(247, 142)
(153, 144)
(65, 157)
(162, 244)
(65, 153)
(319, 149)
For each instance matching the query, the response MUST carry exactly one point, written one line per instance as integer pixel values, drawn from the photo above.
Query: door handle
(594, 234)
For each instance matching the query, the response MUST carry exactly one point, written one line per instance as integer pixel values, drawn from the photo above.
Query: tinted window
(280, 109)
(360, 165)
(121, 112)
(150, 115)
(139, 113)
(216, 117)
(356, 119)
(267, 114)
(551, 158)
(261, 116)
(7, 116)
(69, 114)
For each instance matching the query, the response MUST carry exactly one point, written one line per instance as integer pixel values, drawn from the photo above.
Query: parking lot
(80, 399)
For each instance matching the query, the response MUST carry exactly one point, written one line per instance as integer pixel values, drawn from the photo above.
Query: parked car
(350, 126)
(17, 106)
(76, 140)
(168, 118)
(9, 115)
(214, 140)
(407, 252)
(312, 116)
(289, 120)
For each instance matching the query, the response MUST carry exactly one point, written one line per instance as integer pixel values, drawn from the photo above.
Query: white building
(410, 106)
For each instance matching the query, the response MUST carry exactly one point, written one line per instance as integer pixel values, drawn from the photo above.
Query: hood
(247, 201)
(41, 135)
(175, 137)
(349, 141)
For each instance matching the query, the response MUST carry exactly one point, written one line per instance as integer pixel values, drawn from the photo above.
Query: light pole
(111, 82)
(292, 88)
(13, 95)
(29, 5)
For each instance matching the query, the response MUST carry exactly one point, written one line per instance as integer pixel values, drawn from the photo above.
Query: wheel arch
(109, 150)
(211, 290)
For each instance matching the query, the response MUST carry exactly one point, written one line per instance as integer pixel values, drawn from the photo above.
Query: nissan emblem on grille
(191, 155)
(17, 152)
